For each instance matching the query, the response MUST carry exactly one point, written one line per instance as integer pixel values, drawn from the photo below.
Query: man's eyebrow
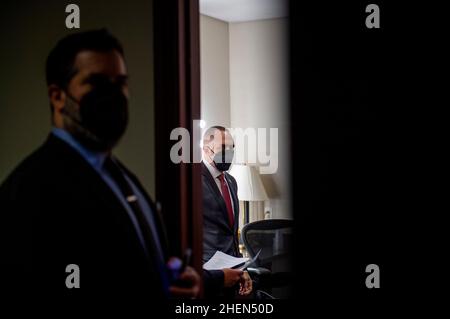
(122, 78)
(95, 76)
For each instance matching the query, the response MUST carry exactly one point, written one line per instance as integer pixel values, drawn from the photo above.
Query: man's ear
(207, 150)
(57, 97)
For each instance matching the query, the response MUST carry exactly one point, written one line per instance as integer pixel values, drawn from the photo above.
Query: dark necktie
(226, 197)
(149, 239)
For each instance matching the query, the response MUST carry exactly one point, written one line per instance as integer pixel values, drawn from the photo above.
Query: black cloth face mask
(223, 159)
(100, 118)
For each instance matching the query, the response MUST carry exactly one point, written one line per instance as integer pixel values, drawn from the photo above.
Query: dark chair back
(274, 237)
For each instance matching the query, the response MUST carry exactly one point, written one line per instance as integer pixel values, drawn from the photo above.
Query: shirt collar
(95, 159)
(214, 171)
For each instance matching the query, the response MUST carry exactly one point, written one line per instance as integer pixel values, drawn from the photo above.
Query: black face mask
(100, 119)
(223, 159)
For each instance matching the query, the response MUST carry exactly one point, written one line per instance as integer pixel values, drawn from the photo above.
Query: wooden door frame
(177, 104)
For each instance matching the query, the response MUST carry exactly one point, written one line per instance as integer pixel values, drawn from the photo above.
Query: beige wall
(259, 91)
(29, 29)
(245, 84)
(215, 71)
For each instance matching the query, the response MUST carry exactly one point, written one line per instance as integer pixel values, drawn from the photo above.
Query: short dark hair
(208, 136)
(60, 62)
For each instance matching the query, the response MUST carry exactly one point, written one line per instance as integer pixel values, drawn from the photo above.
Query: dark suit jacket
(56, 210)
(217, 232)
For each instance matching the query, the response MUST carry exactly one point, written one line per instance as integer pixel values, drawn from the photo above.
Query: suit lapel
(218, 195)
(109, 199)
(97, 186)
(162, 235)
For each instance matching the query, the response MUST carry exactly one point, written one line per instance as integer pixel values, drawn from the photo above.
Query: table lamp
(250, 187)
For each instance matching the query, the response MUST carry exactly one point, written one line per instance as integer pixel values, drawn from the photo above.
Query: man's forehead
(222, 137)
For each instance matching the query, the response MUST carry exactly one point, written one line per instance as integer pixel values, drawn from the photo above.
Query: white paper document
(221, 260)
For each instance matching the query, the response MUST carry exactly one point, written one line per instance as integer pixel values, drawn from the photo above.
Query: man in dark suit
(221, 213)
(72, 215)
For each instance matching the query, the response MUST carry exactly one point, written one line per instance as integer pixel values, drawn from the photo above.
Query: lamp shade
(250, 187)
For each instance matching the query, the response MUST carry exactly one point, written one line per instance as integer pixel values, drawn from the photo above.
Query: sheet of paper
(249, 262)
(221, 260)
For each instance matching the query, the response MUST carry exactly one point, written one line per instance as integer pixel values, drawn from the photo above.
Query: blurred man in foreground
(72, 202)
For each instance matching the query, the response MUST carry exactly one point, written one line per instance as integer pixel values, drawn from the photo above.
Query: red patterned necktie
(226, 197)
